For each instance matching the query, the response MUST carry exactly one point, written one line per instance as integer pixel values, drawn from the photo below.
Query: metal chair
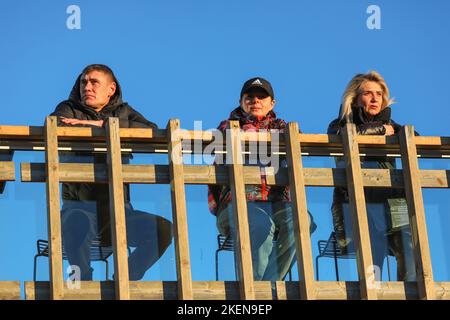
(330, 249)
(226, 243)
(98, 253)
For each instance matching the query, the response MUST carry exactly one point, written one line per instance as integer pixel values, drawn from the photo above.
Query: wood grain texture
(357, 204)
(179, 212)
(240, 216)
(300, 213)
(117, 210)
(53, 209)
(416, 211)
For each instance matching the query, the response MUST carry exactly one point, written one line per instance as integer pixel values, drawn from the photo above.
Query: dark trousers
(149, 234)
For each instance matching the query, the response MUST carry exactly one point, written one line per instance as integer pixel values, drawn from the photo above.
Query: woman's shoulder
(333, 127)
(223, 125)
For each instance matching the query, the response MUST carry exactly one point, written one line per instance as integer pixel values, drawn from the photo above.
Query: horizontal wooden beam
(70, 133)
(229, 290)
(196, 174)
(431, 141)
(160, 135)
(10, 290)
(7, 172)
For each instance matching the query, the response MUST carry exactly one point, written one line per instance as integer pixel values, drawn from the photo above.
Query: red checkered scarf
(220, 195)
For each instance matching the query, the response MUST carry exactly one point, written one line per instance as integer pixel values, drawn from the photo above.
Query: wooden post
(359, 214)
(53, 209)
(240, 215)
(117, 210)
(6, 168)
(300, 213)
(413, 189)
(179, 216)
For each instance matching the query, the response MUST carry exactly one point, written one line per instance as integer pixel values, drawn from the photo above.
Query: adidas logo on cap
(257, 83)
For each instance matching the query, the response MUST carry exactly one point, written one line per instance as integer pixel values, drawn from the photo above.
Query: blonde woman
(366, 103)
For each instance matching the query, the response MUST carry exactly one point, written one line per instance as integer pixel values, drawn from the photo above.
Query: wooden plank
(7, 171)
(149, 290)
(92, 134)
(10, 290)
(203, 174)
(303, 138)
(357, 206)
(391, 290)
(117, 210)
(377, 140)
(243, 252)
(53, 209)
(319, 139)
(145, 174)
(22, 131)
(416, 211)
(431, 141)
(300, 213)
(179, 212)
(141, 134)
(65, 133)
(229, 290)
(193, 174)
(434, 178)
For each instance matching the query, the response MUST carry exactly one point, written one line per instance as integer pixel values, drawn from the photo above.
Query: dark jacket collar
(360, 117)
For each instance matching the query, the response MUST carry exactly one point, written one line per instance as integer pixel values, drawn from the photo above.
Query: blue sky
(188, 60)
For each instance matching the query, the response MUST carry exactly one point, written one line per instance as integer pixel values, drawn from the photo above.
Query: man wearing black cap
(269, 208)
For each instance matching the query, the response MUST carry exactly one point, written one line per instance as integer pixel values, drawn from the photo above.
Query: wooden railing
(175, 142)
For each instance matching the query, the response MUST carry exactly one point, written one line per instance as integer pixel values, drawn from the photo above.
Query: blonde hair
(353, 90)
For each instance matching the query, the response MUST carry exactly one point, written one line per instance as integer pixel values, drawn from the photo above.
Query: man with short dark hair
(85, 216)
(95, 97)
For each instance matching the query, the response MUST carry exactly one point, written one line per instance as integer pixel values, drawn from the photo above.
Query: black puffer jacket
(95, 196)
(396, 214)
(364, 126)
(73, 108)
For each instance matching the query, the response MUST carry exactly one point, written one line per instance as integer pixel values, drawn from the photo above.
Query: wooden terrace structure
(172, 141)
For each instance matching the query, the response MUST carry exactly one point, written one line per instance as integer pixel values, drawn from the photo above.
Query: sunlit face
(257, 102)
(96, 89)
(370, 98)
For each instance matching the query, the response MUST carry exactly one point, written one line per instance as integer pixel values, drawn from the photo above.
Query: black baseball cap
(257, 82)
